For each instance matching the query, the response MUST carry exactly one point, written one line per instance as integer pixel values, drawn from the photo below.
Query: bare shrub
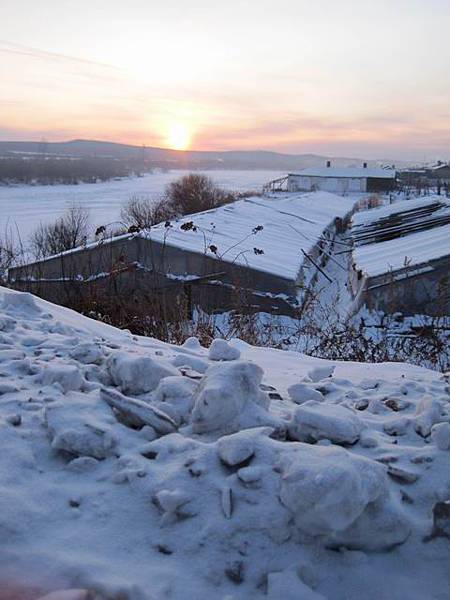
(142, 212)
(187, 195)
(190, 194)
(194, 193)
(68, 232)
(147, 312)
(10, 252)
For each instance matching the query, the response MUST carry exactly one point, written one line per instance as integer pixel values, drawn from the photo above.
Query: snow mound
(301, 392)
(221, 350)
(429, 412)
(192, 343)
(176, 392)
(87, 353)
(229, 398)
(79, 427)
(314, 421)
(440, 434)
(135, 374)
(20, 303)
(328, 490)
(289, 586)
(321, 372)
(239, 447)
(67, 376)
(187, 360)
(72, 594)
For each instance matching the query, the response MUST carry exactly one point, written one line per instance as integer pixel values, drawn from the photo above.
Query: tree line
(51, 171)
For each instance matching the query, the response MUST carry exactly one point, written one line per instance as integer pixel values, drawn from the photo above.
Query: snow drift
(137, 470)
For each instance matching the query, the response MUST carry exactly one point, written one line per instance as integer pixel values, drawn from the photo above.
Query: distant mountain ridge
(231, 159)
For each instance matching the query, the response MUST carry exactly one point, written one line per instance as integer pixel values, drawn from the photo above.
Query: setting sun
(179, 137)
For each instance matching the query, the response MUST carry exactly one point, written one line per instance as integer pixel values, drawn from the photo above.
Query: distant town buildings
(436, 176)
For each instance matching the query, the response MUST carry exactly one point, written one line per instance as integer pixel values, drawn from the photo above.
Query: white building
(342, 180)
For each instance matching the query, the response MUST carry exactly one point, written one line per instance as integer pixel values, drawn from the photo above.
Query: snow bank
(133, 469)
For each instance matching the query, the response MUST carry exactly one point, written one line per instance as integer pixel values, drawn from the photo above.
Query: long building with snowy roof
(401, 256)
(268, 247)
(337, 180)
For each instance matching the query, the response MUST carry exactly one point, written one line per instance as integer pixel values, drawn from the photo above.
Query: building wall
(380, 184)
(422, 289)
(139, 264)
(339, 185)
(82, 264)
(135, 287)
(442, 174)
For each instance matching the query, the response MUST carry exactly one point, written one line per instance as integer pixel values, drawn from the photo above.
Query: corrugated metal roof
(366, 218)
(414, 249)
(441, 166)
(410, 232)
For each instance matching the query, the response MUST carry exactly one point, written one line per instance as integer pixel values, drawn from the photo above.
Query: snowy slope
(139, 470)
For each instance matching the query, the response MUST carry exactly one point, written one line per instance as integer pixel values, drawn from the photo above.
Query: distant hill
(163, 157)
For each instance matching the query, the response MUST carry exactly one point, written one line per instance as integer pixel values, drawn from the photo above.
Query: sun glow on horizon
(179, 136)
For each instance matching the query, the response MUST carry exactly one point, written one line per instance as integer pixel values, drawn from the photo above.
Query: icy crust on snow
(134, 469)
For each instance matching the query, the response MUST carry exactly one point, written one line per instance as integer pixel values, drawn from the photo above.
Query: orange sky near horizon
(349, 78)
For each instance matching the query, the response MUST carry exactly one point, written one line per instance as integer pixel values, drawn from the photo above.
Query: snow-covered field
(144, 471)
(22, 208)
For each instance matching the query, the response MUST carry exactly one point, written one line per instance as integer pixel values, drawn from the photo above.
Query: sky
(337, 77)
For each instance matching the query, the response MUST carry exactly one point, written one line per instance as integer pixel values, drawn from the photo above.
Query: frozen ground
(22, 208)
(143, 471)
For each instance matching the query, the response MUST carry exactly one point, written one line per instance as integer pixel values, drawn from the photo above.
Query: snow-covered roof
(408, 232)
(290, 223)
(372, 215)
(439, 166)
(352, 172)
(414, 249)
